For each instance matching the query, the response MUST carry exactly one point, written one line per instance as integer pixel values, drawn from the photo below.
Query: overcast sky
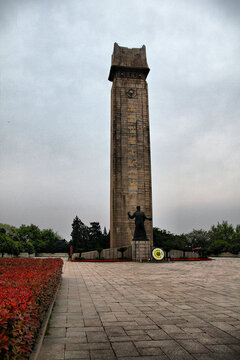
(55, 109)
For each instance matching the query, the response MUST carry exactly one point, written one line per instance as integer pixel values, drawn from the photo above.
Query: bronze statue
(140, 217)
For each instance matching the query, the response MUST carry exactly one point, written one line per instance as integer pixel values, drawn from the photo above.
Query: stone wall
(112, 253)
(55, 255)
(179, 254)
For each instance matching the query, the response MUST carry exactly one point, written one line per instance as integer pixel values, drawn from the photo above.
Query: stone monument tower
(130, 143)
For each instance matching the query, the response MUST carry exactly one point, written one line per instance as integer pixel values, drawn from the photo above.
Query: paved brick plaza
(187, 310)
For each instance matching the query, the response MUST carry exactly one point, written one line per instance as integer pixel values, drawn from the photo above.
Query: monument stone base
(141, 250)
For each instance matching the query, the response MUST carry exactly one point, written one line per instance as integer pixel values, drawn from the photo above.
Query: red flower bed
(26, 290)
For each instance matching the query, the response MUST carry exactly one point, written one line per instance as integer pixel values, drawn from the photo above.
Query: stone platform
(141, 250)
(163, 311)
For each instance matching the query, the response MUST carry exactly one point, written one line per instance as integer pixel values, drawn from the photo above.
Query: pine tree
(79, 235)
(95, 236)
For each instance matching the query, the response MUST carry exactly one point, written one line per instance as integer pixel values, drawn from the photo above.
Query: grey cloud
(55, 109)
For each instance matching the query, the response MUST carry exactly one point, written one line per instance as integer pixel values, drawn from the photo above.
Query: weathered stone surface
(130, 143)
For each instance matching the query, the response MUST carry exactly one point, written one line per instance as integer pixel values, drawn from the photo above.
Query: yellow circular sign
(158, 254)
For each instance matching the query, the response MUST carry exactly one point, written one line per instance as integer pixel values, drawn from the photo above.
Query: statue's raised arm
(148, 218)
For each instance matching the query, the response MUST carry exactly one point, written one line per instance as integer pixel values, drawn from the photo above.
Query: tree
(79, 235)
(62, 246)
(223, 231)
(198, 238)
(4, 241)
(33, 234)
(95, 236)
(11, 231)
(181, 243)
(7, 245)
(218, 246)
(234, 246)
(49, 239)
(164, 240)
(224, 238)
(29, 248)
(16, 248)
(105, 239)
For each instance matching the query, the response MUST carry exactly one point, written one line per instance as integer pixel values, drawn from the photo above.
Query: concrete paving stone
(157, 357)
(73, 323)
(235, 333)
(119, 338)
(74, 310)
(217, 356)
(171, 329)
(120, 323)
(77, 354)
(157, 334)
(235, 347)
(61, 340)
(172, 321)
(223, 326)
(143, 337)
(102, 309)
(192, 346)
(220, 348)
(127, 350)
(92, 322)
(135, 332)
(73, 316)
(102, 354)
(88, 346)
(115, 331)
(205, 338)
(144, 321)
(61, 316)
(215, 332)
(58, 324)
(89, 328)
(95, 336)
(151, 351)
(174, 351)
(228, 340)
(152, 343)
(140, 327)
(80, 336)
(56, 332)
(53, 351)
(192, 330)
(184, 307)
(75, 332)
(126, 317)
(183, 336)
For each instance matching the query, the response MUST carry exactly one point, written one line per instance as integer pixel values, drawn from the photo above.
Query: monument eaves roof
(125, 58)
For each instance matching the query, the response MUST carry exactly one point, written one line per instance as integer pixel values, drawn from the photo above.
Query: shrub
(26, 290)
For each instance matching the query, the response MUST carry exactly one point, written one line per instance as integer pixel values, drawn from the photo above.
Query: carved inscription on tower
(130, 143)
